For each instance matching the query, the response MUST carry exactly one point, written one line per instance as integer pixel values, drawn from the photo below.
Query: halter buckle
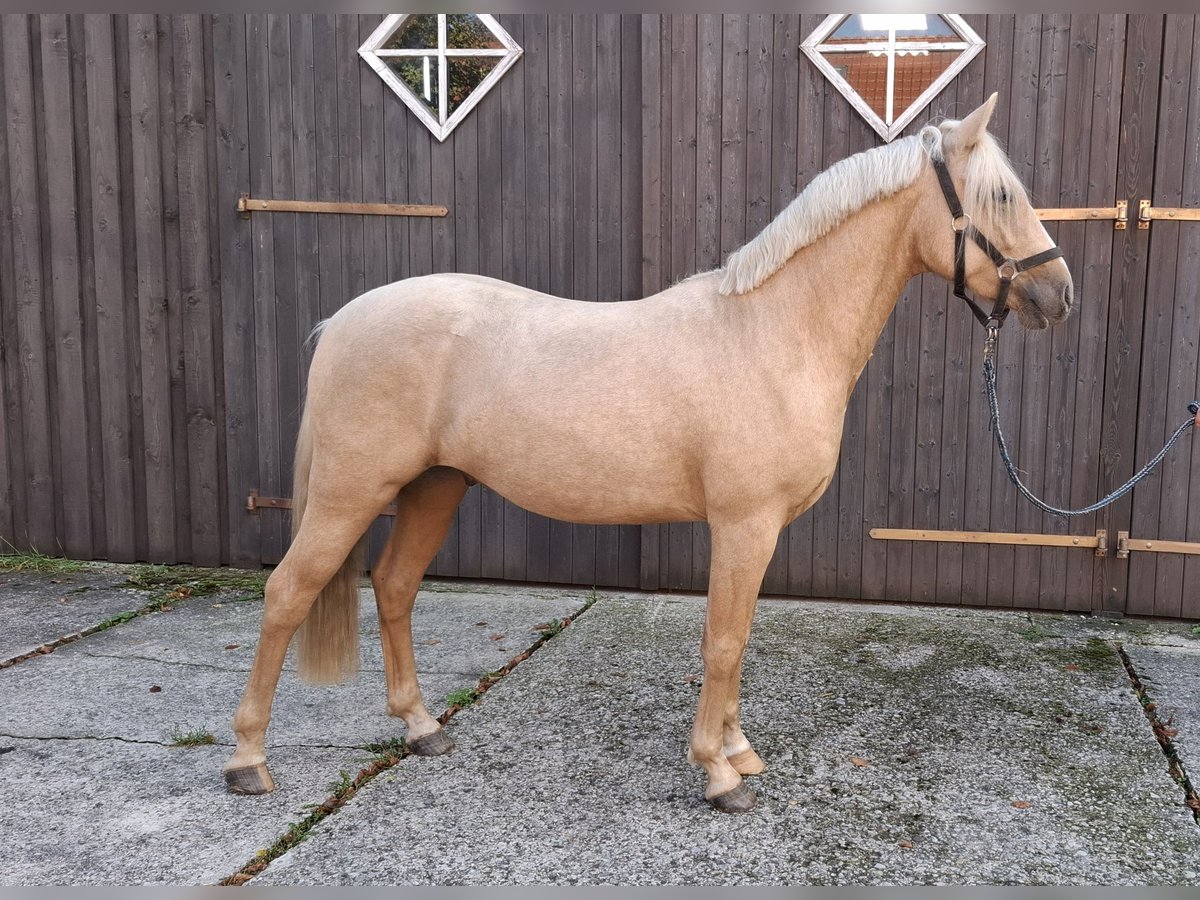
(1008, 270)
(961, 217)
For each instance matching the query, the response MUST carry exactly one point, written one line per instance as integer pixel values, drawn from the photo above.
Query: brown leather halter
(1006, 267)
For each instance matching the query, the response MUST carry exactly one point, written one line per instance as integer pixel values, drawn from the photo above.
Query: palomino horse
(719, 399)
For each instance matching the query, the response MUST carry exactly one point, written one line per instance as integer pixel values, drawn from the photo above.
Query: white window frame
(815, 48)
(441, 125)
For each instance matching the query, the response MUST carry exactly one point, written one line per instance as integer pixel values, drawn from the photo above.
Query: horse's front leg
(740, 553)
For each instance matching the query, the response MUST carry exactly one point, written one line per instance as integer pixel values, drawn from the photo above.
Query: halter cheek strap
(1006, 267)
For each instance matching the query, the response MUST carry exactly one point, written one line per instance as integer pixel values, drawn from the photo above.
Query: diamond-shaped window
(440, 65)
(890, 65)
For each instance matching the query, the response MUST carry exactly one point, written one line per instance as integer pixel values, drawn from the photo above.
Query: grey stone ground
(903, 745)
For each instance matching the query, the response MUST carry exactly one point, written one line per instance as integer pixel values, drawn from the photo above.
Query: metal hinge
(1118, 214)
(1127, 545)
(1148, 213)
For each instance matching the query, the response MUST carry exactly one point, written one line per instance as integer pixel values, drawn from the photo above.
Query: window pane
(936, 29)
(417, 33)
(853, 31)
(420, 73)
(866, 72)
(467, 32)
(917, 70)
(465, 75)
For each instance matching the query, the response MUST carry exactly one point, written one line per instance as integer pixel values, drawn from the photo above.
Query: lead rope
(989, 380)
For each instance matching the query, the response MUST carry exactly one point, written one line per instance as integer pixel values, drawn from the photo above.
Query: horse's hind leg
(325, 539)
(424, 511)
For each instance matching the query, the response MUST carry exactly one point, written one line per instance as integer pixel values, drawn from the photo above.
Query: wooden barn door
(1153, 367)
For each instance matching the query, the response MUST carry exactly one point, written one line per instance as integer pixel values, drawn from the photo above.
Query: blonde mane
(849, 185)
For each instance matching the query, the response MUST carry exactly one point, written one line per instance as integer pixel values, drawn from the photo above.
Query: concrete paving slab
(1171, 676)
(39, 609)
(82, 727)
(112, 812)
(902, 747)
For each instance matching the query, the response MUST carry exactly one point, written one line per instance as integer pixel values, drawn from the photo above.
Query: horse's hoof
(249, 780)
(436, 743)
(747, 762)
(740, 799)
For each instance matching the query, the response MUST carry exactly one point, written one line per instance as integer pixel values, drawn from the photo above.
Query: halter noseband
(1006, 267)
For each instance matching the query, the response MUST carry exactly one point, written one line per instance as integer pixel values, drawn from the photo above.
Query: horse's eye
(1002, 196)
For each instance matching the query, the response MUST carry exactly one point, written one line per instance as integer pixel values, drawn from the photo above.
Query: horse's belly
(588, 486)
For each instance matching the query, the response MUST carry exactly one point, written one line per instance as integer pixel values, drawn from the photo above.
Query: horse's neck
(833, 297)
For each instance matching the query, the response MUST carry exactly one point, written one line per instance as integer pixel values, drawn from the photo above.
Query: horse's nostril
(1067, 295)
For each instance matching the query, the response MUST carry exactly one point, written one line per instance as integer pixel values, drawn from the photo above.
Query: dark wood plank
(153, 326)
(63, 251)
(196, 286)
(1048, 422)
(109, 276)
(231, 115)
(1160, 504)
(1135, 178)
(172, 256)
(1187, 285)
(133, 363)
(1007, 564)
(286, 250)
(12, 455)
(258, 89)
(325, 99)
(1067, 362)
(33, 382)
(1092, 271)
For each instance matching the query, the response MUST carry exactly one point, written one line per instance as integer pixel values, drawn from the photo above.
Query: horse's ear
(971, 129)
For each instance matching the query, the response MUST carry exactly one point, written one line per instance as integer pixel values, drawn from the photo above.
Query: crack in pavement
(1163, 732)
(385, 760)
(243, 670)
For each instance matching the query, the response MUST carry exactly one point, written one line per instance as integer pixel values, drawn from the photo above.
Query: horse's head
(996, 206)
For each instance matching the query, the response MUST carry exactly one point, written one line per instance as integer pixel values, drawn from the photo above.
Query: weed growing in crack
(118, 619)
(392, 749)
(195, 737)
(463, 697)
